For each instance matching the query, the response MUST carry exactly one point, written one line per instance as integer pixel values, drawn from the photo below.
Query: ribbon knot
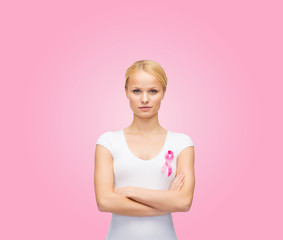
(168, 159)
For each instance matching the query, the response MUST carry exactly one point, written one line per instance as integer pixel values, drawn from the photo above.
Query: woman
(144, 172)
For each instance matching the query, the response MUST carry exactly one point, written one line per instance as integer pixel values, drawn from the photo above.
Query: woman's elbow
(100, 205)
(187, 207)
(187, 203)
(106, 203)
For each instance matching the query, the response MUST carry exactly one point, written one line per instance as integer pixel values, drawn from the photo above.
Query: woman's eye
(152, 91)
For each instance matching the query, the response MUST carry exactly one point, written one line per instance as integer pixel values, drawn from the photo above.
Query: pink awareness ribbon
(168, 159)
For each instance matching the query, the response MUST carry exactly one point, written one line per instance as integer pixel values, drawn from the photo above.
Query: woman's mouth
(144, 108)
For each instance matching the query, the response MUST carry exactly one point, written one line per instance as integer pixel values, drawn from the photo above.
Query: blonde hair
(148, 66)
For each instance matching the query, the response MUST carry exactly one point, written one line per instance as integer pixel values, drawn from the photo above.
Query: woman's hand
(175, 185)
(177, 182)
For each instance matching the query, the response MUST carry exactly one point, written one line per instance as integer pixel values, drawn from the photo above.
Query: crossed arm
(168, 200)
(164, 200)
(136, 201)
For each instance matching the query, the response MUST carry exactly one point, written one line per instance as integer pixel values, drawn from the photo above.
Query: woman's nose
(144, 97)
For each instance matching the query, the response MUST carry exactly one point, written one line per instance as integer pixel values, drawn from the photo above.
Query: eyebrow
(149, 87)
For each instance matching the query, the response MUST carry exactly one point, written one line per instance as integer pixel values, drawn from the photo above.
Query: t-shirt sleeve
(105, 140)
(185, 141)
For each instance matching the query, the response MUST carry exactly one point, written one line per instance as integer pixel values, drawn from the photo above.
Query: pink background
(62, 79)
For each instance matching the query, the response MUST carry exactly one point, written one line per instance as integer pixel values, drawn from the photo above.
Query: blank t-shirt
(129, 170)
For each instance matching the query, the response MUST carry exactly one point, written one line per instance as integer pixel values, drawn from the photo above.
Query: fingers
(177, 182)
(180, 179)
(180, 185)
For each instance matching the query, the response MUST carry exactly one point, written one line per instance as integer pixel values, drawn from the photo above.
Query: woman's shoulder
(109, 134)
(109, 139)
(181, 136)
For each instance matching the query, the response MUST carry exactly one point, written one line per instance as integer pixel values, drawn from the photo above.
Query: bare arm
(116, 203)
(166, 200)
(109, 201)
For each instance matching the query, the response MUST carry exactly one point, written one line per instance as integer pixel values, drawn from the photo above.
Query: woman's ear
(164, 91)
(126, 91)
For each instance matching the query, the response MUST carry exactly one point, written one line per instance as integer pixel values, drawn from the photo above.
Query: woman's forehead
(145, 84)
(144, 81)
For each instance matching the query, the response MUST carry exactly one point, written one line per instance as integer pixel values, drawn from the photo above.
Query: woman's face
(144, 90)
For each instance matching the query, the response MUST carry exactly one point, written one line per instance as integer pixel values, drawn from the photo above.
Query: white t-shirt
(129, 170)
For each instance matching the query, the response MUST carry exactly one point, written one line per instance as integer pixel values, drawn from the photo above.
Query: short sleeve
(105, 140)
(185, 141)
